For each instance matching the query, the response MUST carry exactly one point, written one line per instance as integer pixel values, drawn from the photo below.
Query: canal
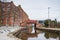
(45, 36)
(39, 35)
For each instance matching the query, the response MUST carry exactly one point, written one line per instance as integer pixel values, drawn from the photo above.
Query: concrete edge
(12, 36)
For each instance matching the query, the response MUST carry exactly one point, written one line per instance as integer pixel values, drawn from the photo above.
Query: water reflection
(40, 35)
(46, 36)
(51, 35)
(25, 36)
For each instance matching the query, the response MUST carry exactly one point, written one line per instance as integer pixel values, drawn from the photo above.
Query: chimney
(11, 1)
(19, 6)
(0, 1)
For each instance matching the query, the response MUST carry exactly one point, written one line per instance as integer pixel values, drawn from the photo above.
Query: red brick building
(11, 15)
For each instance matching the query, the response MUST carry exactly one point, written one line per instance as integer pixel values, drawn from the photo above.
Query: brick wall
(11, 14)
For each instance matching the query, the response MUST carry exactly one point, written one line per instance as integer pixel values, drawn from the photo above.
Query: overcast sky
(38, 9)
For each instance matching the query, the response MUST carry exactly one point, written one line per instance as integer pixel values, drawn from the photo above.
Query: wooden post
(35, 27)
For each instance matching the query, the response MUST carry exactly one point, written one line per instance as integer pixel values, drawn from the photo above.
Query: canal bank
(12, 36)
(5, 32)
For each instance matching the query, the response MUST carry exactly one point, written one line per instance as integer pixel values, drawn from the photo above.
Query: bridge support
(35, 27)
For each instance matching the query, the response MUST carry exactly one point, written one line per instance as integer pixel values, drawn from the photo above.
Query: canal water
(40, 35)
(45, 36)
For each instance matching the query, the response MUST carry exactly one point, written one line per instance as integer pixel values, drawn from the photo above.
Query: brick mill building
(11, 15)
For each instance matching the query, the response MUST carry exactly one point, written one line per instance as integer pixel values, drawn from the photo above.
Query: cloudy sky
(38, 9)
